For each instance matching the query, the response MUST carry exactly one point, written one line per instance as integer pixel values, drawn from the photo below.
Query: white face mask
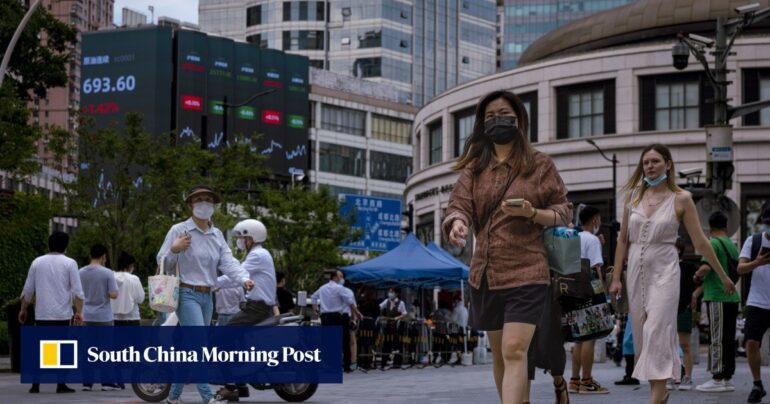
(240, 244)
(391, 296)
(203, 210)
(596, 229)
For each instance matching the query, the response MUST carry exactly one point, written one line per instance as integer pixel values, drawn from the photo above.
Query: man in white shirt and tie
(334, 300)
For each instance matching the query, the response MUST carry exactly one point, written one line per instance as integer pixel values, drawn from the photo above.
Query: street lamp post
(613, 222)
(225, 106)
(15, 38)
(299, 177)
(719, 135)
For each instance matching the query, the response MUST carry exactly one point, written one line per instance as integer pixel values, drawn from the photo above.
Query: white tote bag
(164, 290)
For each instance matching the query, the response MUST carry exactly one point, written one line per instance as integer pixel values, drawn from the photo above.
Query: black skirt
(491, 309)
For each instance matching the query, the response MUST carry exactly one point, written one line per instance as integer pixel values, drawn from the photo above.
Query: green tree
(24, 219)
(133, 188)
(304, 228)
(39, 62)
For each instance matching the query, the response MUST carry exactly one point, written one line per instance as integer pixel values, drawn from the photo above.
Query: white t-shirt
(53, 280)
(759, 294)
(591, 248)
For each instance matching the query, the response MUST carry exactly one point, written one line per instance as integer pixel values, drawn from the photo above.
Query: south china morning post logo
(58, 354)
(182, 355)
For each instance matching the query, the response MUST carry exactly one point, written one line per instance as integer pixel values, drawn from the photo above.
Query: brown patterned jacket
(508, 249)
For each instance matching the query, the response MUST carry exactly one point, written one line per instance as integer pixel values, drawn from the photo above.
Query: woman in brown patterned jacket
(509, 268)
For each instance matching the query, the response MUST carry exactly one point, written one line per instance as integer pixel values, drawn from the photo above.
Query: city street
(471, 384)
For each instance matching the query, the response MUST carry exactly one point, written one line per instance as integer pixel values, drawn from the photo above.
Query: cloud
(183, 10)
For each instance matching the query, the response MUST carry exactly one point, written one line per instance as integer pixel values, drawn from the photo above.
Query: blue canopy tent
(411, 264)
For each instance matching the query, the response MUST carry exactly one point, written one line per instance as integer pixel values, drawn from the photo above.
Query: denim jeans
(194, 308)
(222, 319)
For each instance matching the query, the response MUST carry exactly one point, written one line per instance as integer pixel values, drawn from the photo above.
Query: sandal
(562, 395)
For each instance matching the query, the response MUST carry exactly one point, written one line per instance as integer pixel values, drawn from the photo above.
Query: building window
(435, 137)
(303, 40)
(670, 102)
(303, 11)
(530, 104)
(391, 129)
(676, 105)
(257, 40)
(389, 167)
(586, 113)
(254, 15)
(367, 67)
(340, 159)
(585, 110)
(370, 39)
(424, 230)
(343, 120)
(317, 63)
(756, 87)
(464, 121)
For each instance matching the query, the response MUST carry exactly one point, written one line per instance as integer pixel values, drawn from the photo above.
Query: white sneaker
(686, 383)
(174, 401)
(729, 386)
(670, 384)
(215, 401)
(712, 386)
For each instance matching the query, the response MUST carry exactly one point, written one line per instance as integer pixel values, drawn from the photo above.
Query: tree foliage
(42, 53)
(39, 62)
(304, 229)
(24, 219)
(133, 188)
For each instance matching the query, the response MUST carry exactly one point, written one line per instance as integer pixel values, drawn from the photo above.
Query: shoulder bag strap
(724, 247)
(488, 215)
(756, 244)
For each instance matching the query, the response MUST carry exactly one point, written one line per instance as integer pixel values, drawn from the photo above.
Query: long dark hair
(636, 180)
(479, 149)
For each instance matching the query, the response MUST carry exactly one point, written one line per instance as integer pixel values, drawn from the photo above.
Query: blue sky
(184, 10)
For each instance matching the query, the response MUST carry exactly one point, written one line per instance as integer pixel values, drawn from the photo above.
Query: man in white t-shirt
(583, 352)
(757, 313)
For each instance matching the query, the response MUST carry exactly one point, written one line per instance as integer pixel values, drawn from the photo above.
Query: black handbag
(576, 288)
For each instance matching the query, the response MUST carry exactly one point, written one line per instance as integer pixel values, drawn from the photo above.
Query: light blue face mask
(656, 181)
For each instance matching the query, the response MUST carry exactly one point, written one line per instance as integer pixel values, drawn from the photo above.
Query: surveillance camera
(747, 8)
(702, 39)
(681, 55)
(690, 172)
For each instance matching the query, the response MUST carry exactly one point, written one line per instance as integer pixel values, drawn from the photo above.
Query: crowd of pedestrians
(507, 192)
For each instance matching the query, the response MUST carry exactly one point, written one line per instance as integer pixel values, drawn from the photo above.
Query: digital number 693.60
(105, 85)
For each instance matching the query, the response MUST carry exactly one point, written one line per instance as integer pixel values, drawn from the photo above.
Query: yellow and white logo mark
(58, 354)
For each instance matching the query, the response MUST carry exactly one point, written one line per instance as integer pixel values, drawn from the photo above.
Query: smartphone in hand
(515, 202)
(764, 251)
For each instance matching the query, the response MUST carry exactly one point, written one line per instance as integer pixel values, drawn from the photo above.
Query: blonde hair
(636, 182)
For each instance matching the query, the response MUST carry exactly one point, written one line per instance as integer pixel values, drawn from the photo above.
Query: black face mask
(501, 129)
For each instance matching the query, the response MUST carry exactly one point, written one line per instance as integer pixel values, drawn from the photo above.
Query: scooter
(293, 393)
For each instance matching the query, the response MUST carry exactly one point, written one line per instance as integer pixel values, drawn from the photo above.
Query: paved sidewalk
(472, 384)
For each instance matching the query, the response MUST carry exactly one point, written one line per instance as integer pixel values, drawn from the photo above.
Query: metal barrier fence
(387, 343)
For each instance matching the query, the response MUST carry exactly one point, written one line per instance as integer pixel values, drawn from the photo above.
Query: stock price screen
(186, 82)
(217, 79)
(127, 71)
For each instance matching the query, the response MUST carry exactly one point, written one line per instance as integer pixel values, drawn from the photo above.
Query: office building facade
(360, 136)
(525, 21)
(620, 90)
(422, 47)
